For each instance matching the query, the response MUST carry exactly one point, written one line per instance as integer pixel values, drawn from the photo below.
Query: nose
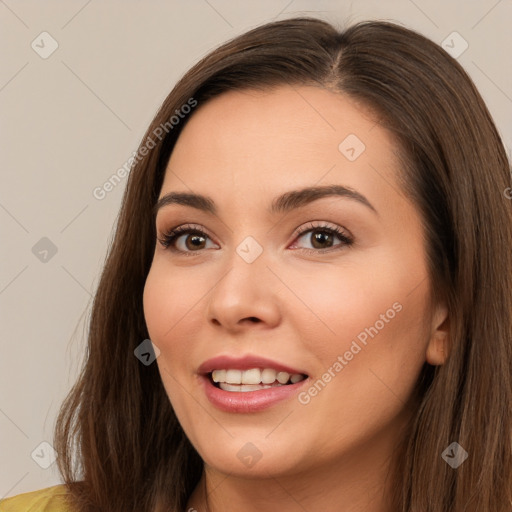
(245, 297)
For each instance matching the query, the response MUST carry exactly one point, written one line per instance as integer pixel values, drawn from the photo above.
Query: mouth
(253, 379)
(250, 383)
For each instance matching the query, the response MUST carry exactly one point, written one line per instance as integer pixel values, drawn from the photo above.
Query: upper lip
(246, 362)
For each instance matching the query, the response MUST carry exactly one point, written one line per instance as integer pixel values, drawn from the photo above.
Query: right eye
(184, 239)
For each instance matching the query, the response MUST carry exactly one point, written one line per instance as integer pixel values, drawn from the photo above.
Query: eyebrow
(284, 203)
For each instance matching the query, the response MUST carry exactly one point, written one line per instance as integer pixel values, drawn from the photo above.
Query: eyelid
(320, 224)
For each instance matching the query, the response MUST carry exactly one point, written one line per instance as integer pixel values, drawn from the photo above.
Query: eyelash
(169, 238)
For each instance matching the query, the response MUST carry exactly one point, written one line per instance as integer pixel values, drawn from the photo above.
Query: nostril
(251, 319)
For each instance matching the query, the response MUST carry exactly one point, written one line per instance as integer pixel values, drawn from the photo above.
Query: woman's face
(289, 284)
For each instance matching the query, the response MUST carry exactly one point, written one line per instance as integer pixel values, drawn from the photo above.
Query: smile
(254, 379)
(249, 383)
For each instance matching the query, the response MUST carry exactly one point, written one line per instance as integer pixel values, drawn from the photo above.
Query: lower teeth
(246, 387)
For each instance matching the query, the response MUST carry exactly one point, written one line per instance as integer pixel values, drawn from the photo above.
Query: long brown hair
(120, 445)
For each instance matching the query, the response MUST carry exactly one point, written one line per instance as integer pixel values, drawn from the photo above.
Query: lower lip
(248, 401)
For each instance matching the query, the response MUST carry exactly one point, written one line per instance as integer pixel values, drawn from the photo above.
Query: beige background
(71, 120)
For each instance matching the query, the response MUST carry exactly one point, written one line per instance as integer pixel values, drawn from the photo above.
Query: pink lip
(249, 401)
(243, 363)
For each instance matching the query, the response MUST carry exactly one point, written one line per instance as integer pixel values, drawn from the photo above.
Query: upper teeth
(254, 376)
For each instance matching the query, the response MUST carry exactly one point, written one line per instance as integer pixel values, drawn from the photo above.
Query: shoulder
(50, 499)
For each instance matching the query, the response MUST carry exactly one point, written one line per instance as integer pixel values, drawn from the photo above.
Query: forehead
(280, 138)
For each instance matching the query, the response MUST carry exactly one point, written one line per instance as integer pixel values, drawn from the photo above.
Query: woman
(315, 237)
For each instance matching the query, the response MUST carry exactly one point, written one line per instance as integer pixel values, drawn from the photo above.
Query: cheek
(340, 302)
(376, 317)
(167, 312)
(380, 335)
(170, 300)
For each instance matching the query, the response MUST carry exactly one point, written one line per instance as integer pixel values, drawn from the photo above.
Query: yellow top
(51, 499)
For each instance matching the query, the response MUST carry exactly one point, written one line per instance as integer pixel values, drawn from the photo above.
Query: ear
(438, 346)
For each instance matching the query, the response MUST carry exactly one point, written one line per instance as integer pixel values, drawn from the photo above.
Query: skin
(242, 149)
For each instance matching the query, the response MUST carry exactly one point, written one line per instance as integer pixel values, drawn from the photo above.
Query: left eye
(322, 237)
